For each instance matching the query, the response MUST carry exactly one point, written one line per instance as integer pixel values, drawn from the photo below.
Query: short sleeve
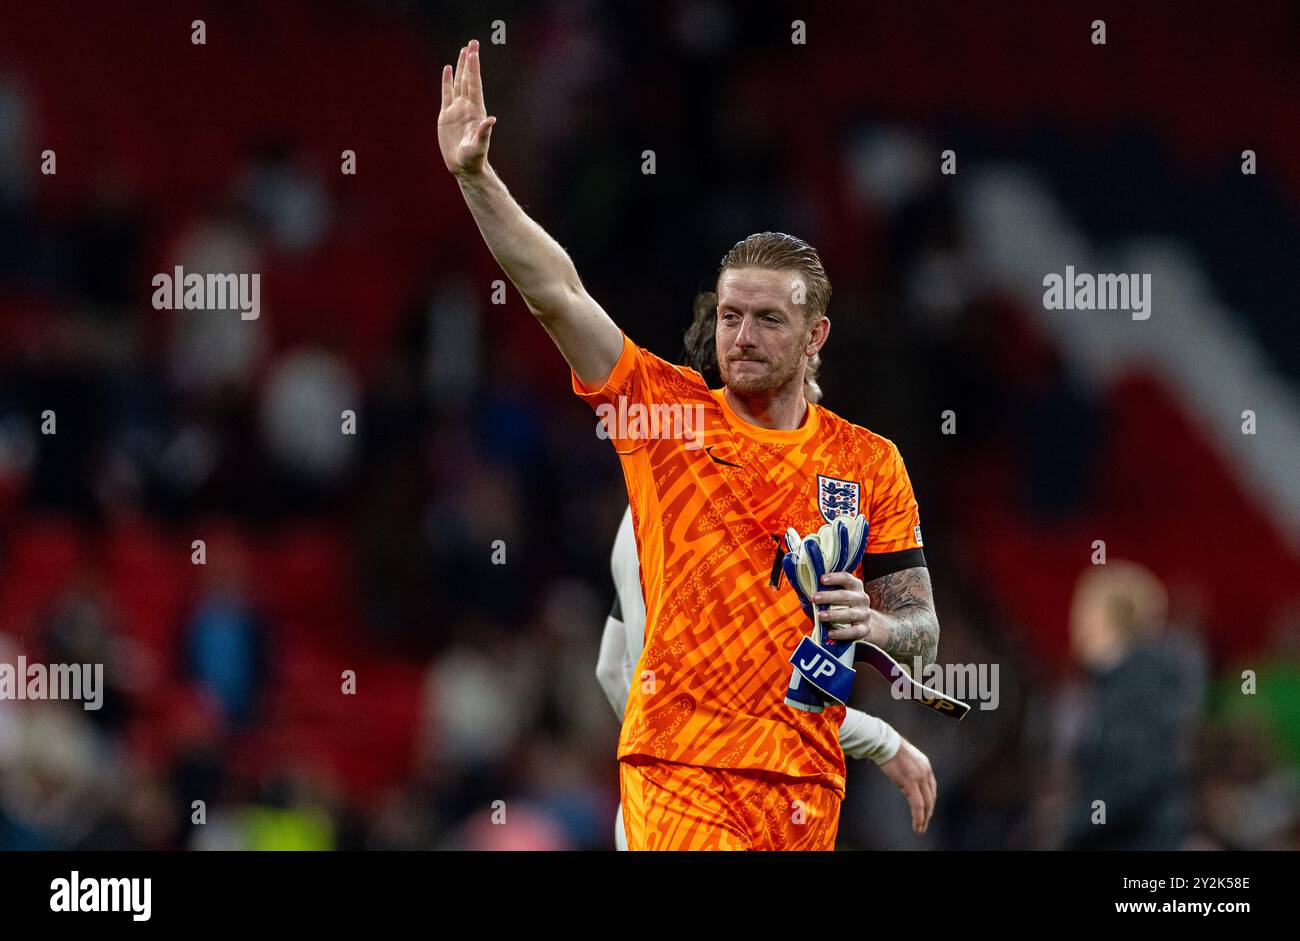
(620, 377)
(894, 518)
(626, 402)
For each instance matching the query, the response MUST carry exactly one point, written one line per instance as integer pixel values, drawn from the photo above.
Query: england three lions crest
(837, 497)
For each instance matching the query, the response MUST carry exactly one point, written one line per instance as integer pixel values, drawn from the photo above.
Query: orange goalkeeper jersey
(708, 492)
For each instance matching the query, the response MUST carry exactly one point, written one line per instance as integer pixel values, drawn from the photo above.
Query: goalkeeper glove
(823, 668)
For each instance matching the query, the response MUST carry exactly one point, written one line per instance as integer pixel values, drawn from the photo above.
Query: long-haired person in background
(861, 735)
(712, 757)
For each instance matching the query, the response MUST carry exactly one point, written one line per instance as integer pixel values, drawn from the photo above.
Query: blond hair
(776, 251)
(1134, 600)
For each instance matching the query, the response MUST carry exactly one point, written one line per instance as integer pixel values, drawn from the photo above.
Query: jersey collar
(768, 435)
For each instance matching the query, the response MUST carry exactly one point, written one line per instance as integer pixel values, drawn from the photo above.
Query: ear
(821, 330)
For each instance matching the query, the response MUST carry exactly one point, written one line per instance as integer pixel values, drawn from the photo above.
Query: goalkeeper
(861, 735)
(711, 756)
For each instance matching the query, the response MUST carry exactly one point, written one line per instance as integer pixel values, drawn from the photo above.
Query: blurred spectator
(81, 630)
(296, 813)
(1250, 766)
(16, 167)
(101, 249)
(55, 778)
(225, 640)
(215, 351)
(1269, 696)
(286, 197)
(293, 813)
(302, 410)
(1249, 798)
(1133, 746)
(514, 827)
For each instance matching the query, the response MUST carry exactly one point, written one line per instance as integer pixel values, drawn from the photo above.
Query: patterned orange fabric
(710, 685)
(669, 806)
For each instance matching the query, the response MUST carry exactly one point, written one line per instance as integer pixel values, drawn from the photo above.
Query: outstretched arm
(539, 268)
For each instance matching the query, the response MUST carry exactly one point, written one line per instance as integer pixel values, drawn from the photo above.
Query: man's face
(763, 338)
(1093, 639)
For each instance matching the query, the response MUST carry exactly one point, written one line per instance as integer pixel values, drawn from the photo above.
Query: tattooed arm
(903, 621)
(895, 612)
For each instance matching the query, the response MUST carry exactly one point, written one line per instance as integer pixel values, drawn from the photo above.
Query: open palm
(464, 128)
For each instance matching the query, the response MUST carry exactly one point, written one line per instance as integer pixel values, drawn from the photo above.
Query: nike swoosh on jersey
(717, 460)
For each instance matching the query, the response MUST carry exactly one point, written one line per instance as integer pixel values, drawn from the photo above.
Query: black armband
(879, 564)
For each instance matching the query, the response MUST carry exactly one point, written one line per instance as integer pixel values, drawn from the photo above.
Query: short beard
(774, 378)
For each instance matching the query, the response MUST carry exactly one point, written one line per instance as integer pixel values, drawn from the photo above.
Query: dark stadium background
(474, 681)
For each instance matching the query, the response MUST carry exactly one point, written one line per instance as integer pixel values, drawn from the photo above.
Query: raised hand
(536, 264)
(464, 129)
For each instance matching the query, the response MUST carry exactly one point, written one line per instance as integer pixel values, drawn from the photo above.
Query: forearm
(903, 621)
(539, 268)
(907, 634)
(611, 666)
(534, 262)
(545, 276)
(865, 736)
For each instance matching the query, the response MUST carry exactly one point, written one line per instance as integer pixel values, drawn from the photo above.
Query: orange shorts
(668, 806)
